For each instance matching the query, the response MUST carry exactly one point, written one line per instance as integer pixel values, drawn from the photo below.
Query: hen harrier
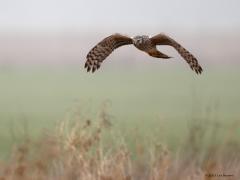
(144, 43)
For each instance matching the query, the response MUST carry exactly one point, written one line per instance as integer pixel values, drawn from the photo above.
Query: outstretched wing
(162, 39)
(103, 49)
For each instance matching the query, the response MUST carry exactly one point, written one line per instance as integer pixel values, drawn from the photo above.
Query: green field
(157, 103)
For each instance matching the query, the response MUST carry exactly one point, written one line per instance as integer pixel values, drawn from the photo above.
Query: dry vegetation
(77, 149)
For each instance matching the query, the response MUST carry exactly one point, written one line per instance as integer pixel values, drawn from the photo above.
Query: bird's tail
(157, 54)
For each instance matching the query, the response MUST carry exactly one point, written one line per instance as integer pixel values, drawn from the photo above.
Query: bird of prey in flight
(144, 43)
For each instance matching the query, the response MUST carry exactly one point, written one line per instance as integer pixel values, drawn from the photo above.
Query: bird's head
(140, 39)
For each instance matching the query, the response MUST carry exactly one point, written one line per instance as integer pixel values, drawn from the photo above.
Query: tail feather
(157, 54)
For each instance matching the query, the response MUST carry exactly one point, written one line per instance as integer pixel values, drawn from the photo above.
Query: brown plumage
(143, 43)
(162, 39)
(103, 49)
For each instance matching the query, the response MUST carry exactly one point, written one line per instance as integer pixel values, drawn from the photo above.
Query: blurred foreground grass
(156, 103)
(84, 148)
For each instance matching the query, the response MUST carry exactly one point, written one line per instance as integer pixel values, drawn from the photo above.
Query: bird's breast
(144, 46)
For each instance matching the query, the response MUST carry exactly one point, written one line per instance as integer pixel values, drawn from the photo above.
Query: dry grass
(77, 150)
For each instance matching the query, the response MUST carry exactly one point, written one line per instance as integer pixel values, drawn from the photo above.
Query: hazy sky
(77, 14)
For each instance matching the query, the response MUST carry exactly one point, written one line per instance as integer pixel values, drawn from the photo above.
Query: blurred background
(43, 45)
